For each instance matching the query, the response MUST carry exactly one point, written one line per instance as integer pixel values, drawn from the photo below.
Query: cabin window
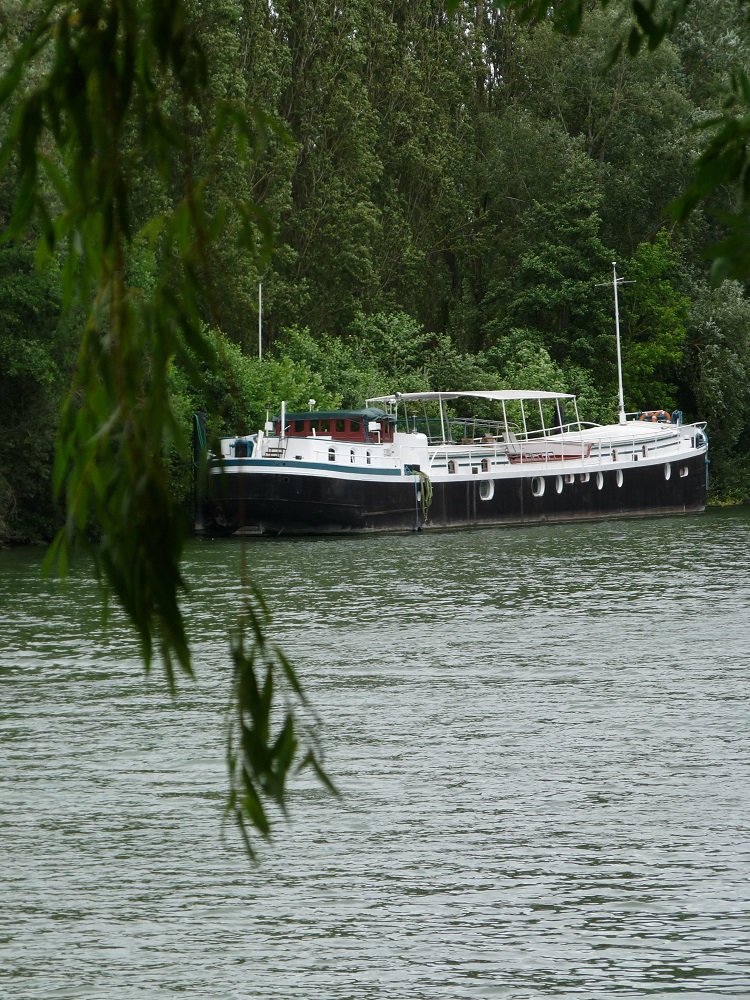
(667, 470)
(369, 459)
(351, 456)
(451, 466)
(537, 486)
(299, 426)
(313, 426)
(331, 454)
(325, 426)
(354, 426)
(340, 426)
(485, 465)
(619, 477)
(487, 489)
(240, 449)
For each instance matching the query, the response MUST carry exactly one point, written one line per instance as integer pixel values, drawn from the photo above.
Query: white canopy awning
(501, 396)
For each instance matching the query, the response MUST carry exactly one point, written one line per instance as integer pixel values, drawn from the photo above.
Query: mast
(621, 396)
(615, 282)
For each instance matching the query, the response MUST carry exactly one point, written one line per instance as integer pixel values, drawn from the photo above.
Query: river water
(541, 740)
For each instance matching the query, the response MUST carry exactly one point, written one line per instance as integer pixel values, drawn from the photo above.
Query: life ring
(655, 416)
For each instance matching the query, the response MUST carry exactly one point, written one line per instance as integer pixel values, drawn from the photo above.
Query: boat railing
(571, 442)
(451, 429)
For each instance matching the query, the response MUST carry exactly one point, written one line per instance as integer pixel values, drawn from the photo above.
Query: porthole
(369, 458)
(487, 489)
(569, 477)
(667, 470)
(619, 477)
(599, 480)
(558, 484)
(537, 486)
(584, 477)
(683, 471)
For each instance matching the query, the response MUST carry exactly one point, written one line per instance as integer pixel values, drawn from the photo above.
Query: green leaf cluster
(121, 83)
(264, 746)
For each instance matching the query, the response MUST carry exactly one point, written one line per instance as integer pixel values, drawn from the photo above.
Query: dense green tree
(632, 120)
(552, 289)
(655, 316)
(723, 149)
(332, 220)
(718, 361)
(425, 96)
(234, 387)
(35, 360)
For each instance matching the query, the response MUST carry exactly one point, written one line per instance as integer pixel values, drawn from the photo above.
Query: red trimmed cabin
(339, 425)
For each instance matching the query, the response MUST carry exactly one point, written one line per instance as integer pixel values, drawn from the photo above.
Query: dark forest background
(445, 193)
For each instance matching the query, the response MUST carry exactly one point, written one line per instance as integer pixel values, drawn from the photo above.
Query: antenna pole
(619, 351)
(615, 282)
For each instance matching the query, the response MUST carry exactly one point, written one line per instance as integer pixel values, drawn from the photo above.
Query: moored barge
(407, 462)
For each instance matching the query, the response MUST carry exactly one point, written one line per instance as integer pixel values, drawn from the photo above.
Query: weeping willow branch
(266, 742)
(98, 88)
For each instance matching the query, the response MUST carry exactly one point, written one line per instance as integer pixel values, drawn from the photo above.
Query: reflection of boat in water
(406, 462)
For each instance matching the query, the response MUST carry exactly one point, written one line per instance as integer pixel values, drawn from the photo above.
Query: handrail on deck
(555, 449)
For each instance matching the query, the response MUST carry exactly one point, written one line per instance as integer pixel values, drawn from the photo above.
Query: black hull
(309, 504)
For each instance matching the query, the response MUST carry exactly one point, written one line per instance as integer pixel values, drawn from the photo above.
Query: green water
(541, 736)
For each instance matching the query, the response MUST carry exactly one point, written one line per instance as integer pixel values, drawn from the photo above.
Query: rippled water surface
(540, 734)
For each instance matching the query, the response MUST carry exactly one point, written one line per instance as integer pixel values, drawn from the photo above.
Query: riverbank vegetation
(445, 194)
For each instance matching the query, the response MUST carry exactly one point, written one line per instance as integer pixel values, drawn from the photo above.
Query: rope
(426, 483)
(421, 479)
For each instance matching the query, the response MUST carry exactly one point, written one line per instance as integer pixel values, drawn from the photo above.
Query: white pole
(619, 353)
(615, 282)
(260, 322)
